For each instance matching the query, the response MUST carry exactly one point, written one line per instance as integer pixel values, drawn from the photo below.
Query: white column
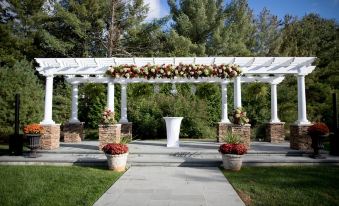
(123, 113)
(110, 96)
(48, 101)
(224, 115)
(237, 92)
(75, 97)
(274, 104)
(302, 115)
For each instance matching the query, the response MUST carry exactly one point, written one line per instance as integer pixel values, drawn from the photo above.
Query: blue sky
(326, 8)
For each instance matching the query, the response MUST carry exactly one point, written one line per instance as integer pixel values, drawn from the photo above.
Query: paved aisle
(177, 186)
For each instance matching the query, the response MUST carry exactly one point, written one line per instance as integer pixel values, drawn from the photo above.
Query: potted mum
(116, 154)
(232, 152)
(33, 133)
(317, 132)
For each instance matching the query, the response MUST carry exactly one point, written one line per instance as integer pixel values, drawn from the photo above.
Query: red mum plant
(115, 149)
(33, 129)
(238, 149)
(318, 128)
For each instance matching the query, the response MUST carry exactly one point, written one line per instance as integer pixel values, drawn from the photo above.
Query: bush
(20, 79)
(147, 112)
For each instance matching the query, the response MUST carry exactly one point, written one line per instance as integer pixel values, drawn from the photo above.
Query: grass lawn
(311, 185)
(51, 185)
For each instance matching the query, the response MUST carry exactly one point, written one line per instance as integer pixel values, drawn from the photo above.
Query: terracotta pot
(232, 162)
(117, 162)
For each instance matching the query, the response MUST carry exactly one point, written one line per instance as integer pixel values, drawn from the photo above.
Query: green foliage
(232, 138)
(147, 112)
(62, 102)
(91, 104)
(19, 79)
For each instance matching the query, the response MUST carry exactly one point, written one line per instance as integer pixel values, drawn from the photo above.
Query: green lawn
(318, 185)
(51, 185)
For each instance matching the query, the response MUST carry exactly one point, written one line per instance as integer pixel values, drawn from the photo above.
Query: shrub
(115, 149)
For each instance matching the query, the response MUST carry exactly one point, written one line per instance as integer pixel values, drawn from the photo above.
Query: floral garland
(170, 71)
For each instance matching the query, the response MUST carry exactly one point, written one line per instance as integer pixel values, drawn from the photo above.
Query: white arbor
(255, 69)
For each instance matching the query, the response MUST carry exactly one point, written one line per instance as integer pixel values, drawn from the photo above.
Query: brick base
(73, 132)
(109, 134)
(51, 137)
(275, 132)
(299, 138)
(244, 131)
(126, 130)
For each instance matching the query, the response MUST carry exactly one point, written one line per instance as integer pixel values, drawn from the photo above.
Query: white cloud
(155, 9)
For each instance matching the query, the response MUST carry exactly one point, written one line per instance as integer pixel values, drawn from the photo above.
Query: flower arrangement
(238, 149)
(108, 117)
(170, 71)
(317, 129)
(33, 129)
(239, 116)
(115, 149)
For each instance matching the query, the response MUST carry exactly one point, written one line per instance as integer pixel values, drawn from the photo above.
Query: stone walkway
(171, 186)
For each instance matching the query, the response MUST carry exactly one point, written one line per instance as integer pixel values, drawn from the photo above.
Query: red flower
(238, 149)
(115, 149)
(33, 129)
(318, 129)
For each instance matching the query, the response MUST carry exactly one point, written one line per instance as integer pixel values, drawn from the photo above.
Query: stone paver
(169, 186)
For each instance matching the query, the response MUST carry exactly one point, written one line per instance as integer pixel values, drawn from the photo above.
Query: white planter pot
(117, 162)
(232, 161)
(173, 130)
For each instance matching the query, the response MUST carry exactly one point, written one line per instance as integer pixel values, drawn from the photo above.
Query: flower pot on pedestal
(173, 130)
(317, 132)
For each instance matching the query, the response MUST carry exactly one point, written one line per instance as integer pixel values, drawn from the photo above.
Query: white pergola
(255, 69)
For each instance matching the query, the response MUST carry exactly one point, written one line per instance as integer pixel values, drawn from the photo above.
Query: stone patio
(155, 153)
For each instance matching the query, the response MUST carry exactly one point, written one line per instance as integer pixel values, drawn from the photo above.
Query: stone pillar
(275, 132)
(109, 134)
(302, 115)
(224, 113)
(243, 131)
(73, 132)
(299, 138)
(48, 101)
(75, 97)
(123, 112)
(237, 92)
(51, 138)
(110, 96)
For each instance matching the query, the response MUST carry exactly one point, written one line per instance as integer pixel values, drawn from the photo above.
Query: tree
(235, 37)
(19, 79)
(267, 35)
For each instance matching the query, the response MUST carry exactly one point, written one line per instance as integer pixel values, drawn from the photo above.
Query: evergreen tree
(19, 79)
(267, 35)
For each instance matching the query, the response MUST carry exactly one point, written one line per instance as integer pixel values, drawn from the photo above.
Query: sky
(326, 8)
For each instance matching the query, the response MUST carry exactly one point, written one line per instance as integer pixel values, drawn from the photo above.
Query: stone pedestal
(73, 132)
(244, 131)
(275, 132)
(299, 138)
(126, 130)
(51, 137)
(109, 134)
